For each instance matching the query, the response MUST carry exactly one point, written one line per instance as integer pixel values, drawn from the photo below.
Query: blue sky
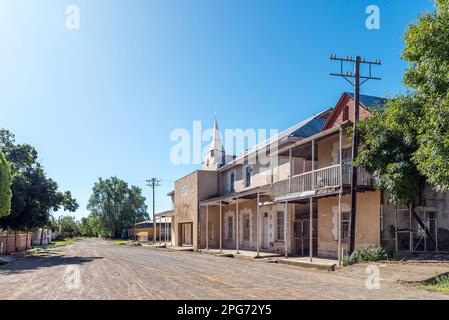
(103, 100)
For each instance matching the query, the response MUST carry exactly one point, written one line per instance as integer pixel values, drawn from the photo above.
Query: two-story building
(288, 195)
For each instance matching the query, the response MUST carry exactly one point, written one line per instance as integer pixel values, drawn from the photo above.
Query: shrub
(369, 254)
(439, 283)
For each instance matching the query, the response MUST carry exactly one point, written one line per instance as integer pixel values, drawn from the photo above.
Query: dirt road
(96, 269)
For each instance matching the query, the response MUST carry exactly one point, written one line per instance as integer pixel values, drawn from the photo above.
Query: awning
(247, 194)
(168, 213)
(301, 196)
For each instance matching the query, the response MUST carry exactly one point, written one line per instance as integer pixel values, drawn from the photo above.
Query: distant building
(300, 202)
(144, 231)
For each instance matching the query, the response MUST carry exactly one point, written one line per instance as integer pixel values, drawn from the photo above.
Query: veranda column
(313, 165)
(257, 224)
(311, 230)
(165, 230)
(221, 219)
(339, 229)
(160, 229)
(291, 170)
(207, 227)
(237, 234)
(285, 228)
(340, 196)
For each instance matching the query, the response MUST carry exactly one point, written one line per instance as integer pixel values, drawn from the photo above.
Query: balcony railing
(329, 177)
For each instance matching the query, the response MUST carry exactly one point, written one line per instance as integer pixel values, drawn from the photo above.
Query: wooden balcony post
(237, 234)
(221, 221)
(341, 158)
(311, 230)
(207, 227)
(291, 171)
(313, 164)
(285, 229)
(339, 229)
(257, 224)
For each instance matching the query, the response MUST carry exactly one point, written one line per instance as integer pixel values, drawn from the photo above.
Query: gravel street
(108, 271)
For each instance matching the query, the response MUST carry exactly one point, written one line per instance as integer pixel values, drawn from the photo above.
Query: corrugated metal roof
(370, 101)
(303, 129)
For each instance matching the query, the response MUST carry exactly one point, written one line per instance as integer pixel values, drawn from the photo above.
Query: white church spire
(216, 143)
(215, 156)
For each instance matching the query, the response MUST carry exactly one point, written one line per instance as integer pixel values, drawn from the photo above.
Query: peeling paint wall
(367, 223)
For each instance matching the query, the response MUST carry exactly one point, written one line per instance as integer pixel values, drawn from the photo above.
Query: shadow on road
(44, 260)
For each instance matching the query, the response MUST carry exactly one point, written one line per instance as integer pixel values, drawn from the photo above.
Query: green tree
(34, 195)
(406, 145)
(89, 227)
(5, 186)
(115, 206)
(69, 227)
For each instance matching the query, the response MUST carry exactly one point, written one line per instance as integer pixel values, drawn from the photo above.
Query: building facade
(291, 195)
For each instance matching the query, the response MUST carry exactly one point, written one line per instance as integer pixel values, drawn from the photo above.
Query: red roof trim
(336, 111)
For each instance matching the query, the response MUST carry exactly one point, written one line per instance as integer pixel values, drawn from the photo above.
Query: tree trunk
(7, 239)
(42, 235)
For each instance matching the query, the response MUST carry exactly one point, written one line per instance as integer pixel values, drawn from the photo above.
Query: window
(248, 172)
(346, 113)
(347, 156)
(231, 181)
(230, 227)
(280, 226)
(246, 227)
(347, 164)
(345, 225)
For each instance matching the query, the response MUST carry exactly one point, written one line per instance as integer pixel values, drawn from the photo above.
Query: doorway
(265, 231)
(186, 234)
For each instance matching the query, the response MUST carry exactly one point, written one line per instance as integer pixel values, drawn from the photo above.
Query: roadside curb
(5, 260)
(324, 267)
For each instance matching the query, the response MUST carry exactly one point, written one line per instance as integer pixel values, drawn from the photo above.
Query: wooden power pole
(357, 77)
(153, 183)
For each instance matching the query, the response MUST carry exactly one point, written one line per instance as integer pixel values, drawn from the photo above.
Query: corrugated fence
(15, 242)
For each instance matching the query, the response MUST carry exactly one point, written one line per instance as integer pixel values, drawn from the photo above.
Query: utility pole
(357, 62)
(153, 183)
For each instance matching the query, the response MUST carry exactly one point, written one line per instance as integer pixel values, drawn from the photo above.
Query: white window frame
(230, 186)
(229, 214)
(280, 228)
(245, 180)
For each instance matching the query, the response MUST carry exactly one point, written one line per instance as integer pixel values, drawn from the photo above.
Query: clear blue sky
(103, 100)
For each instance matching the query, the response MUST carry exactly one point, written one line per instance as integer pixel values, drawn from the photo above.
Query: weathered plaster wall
(367, 225)
(189, 190)
(246, 207)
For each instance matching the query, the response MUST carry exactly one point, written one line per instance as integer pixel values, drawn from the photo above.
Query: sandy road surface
(109, 271)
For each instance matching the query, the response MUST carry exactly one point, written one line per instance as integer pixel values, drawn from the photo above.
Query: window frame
(248, 175)
(280, 227)
(230, 223)
(231, 181)
(246, 217)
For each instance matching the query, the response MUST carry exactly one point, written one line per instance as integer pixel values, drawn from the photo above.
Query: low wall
(15, 243)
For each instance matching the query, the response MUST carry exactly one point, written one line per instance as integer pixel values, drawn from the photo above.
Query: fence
(14, 242)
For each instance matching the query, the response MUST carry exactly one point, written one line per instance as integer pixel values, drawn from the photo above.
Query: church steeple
(215, 156)
(216, 143)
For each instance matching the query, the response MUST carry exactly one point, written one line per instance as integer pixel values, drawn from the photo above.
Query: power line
(153, 183)
(348, 76)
